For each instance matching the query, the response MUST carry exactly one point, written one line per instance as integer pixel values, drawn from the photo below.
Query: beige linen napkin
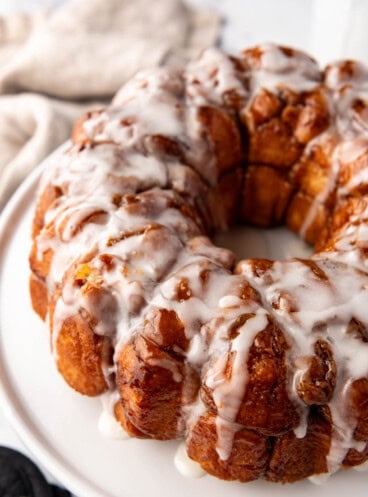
(53, 66)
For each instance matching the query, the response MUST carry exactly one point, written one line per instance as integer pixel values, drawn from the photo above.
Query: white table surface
(246, 22)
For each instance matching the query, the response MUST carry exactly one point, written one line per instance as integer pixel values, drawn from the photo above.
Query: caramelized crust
(151, 385)
(48, 197)
(268, 190)
(265, 406)
(298, 212)
(297, 458)
(39, 296)
(247, 461)
(80, 354)
(316, 385)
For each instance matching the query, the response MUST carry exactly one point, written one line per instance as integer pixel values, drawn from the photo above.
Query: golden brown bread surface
(262, 366)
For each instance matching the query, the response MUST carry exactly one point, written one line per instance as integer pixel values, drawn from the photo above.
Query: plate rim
(32, 438)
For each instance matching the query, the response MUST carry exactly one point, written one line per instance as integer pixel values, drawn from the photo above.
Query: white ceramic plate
(59, 426)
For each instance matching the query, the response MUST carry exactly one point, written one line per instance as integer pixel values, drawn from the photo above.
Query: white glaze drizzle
(310, 300)
(108, 426)
(228, 393)
(186, 466)
(275, 69)
(82, 223)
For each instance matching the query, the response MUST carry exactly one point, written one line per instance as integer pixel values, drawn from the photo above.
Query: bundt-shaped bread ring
(262, 366)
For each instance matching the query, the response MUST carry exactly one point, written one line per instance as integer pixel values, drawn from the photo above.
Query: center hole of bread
(277, 243)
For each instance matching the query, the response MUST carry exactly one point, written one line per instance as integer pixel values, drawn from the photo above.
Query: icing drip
(108, 426)
(319, 479)
(186, 466)
(228, 394)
